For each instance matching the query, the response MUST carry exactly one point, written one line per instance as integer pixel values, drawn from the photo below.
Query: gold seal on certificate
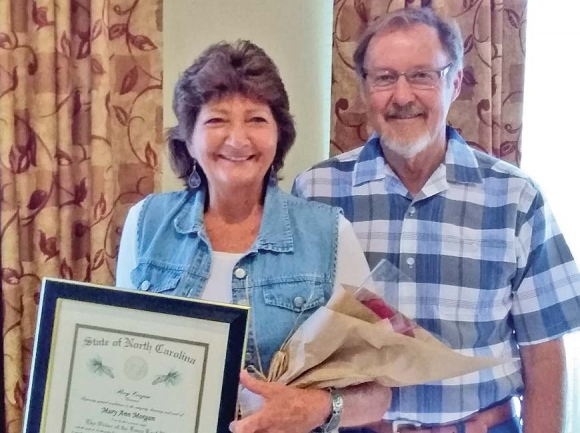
(108, 360)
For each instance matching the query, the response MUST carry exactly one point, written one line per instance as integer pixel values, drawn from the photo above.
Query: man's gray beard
(407, 150)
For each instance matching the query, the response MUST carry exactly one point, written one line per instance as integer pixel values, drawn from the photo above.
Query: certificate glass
(108, 360)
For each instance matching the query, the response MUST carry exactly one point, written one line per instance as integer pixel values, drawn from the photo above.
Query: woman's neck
(233, 218)
(235, 205)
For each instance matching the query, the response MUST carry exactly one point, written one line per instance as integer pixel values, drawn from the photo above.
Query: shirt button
(410, 261)
(298, 301)
(145, 285)
(240, 273)
(412, 210)
(248, 356)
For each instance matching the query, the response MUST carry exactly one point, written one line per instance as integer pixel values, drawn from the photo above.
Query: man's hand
(285, 409)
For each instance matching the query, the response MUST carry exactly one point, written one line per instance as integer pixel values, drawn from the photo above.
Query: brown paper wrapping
(344, 343)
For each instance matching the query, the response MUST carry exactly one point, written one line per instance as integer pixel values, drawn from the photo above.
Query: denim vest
(285, 276)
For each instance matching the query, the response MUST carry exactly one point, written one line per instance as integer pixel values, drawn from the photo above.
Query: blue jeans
(511, 426)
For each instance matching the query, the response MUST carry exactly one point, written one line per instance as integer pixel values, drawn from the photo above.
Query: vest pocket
(152, 278)
(299, 294)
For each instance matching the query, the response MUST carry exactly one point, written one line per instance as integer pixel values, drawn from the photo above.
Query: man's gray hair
(447, 30)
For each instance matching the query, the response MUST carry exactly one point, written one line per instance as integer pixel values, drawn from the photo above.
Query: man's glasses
(421, 79)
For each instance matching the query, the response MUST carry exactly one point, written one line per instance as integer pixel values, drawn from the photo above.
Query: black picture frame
(61, 301)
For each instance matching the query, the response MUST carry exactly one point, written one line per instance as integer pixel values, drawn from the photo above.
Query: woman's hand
(285, 409)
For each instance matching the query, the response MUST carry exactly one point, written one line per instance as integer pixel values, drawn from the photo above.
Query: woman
(233, 236)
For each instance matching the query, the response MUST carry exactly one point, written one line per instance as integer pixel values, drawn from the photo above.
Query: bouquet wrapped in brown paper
(356, 338)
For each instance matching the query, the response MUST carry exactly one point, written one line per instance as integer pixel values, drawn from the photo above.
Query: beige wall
(297, 34)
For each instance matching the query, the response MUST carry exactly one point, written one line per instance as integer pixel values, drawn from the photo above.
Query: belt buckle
(400, 424)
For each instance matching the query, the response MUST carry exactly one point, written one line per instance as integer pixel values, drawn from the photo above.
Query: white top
(352, 267)
(219, 284)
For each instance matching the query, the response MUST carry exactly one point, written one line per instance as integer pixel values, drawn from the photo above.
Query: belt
(479, 422)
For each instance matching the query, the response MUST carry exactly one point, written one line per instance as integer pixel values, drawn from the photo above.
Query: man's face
(408, 119)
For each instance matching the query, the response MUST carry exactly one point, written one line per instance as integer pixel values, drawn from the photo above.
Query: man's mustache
(405, 111)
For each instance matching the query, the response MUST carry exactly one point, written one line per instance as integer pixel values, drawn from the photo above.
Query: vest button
(298, 301)
(240, 273)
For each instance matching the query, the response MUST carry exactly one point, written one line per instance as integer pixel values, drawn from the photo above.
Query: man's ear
(457, 80)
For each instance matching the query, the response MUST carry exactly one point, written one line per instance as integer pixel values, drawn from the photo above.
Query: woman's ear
(188, 144)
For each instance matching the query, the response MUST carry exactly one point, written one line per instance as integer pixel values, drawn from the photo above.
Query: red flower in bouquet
(400, 323)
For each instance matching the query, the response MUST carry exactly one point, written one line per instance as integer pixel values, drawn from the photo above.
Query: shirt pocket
(153, 278)
(488, 307)
(478, 244)
(483, 261)
(465, 325)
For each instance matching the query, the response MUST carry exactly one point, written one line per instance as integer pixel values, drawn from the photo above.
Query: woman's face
(234, 141)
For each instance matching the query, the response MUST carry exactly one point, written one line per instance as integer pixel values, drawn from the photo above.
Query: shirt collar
(460, 164)
(370, 164)
(275, 232)
(460, 161)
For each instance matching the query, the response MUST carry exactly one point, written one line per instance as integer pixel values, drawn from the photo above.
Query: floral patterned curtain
(80, 134)
(488, 111)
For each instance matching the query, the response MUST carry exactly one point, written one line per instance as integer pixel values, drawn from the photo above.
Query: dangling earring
(273, 178)
(194, 179)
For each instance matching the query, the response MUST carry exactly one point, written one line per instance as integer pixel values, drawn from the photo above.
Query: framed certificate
(108, 360)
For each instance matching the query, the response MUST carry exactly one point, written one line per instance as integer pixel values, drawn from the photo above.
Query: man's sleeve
(298, 186)
(546, 287)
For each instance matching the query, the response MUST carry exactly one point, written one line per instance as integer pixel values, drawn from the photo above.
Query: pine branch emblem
(172, 378)
(97, 367)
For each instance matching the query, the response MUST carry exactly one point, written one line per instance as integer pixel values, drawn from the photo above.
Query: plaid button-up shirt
(482, 263)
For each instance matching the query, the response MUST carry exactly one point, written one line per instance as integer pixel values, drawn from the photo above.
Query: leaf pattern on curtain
(80, 136)
(488, 111)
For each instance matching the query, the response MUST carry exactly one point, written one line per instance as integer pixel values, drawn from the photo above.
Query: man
(485, 267)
